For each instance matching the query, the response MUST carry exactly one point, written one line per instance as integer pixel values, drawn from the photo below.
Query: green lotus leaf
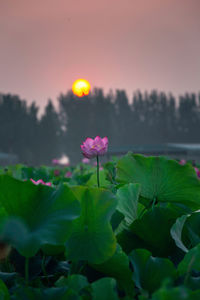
(191, 261)
(176, 232)
(161, 179)
(105, 289)
(4, 293)
(128, 205)
(32, 216)
(151, 231)
(92, 238)
(29, 293)
(149, 272)
(118, 267)
(175, 293)
(185, 231)
(53, 249)
(116, 220)
(74, 282)
(102, 179)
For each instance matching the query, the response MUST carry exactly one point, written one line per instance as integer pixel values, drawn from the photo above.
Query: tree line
(150, 118)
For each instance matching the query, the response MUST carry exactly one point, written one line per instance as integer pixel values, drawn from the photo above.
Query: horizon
(41, 108)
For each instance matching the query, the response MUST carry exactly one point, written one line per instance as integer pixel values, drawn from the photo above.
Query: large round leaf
(191, 261)
(176, 232)
(35, 215)
(75, 282)
(175, 293)
(128, 196)
(149, 272)
(102, 179)
(104, 288)
(153, 229)
(4, 293)
(118, 267)
(161, 179)
(92, 238)
(185, 231)
(30, 293)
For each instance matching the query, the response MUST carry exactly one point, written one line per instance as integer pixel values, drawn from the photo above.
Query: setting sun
(81, 87)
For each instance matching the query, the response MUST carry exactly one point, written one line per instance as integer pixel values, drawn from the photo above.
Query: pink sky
(126, 44)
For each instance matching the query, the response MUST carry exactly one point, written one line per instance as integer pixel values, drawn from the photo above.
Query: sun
(81, 87)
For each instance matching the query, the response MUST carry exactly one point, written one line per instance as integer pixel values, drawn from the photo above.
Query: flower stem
(98, 171)
(44, 269)
(26, 270)
(154, 202)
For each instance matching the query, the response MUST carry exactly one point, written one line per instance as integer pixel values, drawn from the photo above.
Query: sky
(115, 44)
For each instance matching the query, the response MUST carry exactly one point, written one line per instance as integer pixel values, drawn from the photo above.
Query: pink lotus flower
(68, 174)
(55, 161)
(97, 147)
(56, 172)
(40, 181)
(197, 172)
(86, 160)
(182, 162)
(95, 164)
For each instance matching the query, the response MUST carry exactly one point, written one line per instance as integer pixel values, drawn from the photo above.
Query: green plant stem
(77, 267)
(98, 171)
(142, 212)
(187, 275)
(44, 269)
(27, 270)
(154, 201)
(43, 265)
(74, 267)
(8, 266)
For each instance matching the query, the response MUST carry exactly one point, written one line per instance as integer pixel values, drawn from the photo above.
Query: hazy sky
(127, 44)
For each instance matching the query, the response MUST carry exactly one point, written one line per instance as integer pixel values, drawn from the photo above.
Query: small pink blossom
(68, 174)
(86, 160)
(93, 147)
(100, 166)
(56, 172)
(182, 162)
(95, 164)
(40, 181)
(197, 172)
(55, 161)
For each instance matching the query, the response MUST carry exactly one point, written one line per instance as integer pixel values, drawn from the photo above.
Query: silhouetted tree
(123, 119)
(49, 145)
(17, 127)
(150, 118)
(188, 118)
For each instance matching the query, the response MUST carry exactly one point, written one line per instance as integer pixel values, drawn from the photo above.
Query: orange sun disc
(81, 87)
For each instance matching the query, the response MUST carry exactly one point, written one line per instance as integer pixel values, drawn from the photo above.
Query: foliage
(135, 237)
